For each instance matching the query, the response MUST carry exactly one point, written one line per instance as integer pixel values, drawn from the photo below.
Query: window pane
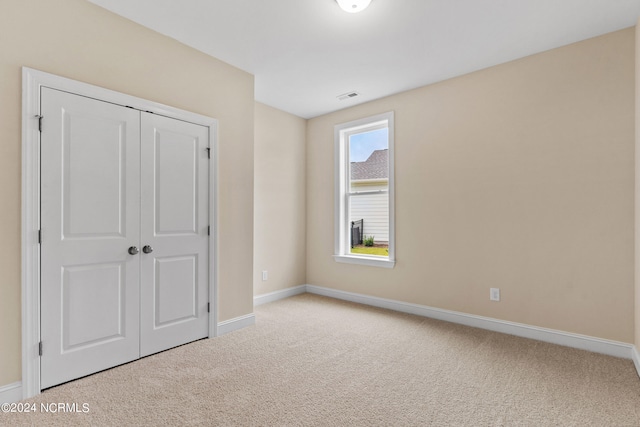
(369, 219)
(369, 172)
(369, 160)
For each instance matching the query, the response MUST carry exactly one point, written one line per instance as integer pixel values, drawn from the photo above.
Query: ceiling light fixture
(353, 6)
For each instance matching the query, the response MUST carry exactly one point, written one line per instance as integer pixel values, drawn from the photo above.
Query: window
(364, 205)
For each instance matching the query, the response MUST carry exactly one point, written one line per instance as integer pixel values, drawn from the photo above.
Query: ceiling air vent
(348, 95)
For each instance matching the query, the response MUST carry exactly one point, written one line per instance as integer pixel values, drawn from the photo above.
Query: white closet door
(175, 211)
(90, 157)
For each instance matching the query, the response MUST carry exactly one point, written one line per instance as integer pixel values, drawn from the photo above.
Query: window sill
(364, 260)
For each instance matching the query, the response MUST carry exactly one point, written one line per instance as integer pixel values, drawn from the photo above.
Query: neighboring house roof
(375, 167)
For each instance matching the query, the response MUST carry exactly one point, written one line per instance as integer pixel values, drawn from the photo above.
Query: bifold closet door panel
(175, 217)
(90, 198)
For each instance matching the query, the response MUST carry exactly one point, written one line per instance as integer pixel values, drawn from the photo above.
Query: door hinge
(39, 123)
(208, 307)
(208, 230)
(39, 236)
(40, 348)
(208, 152)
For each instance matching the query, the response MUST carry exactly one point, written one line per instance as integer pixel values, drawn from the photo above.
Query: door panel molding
(32, 83)
(161, 318)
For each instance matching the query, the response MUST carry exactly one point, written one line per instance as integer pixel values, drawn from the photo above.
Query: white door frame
(32, 81)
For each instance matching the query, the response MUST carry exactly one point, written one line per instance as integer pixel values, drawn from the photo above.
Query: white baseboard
(278, 295)
(11, 392)
(583, 342)
(236, 323)
(636, 358)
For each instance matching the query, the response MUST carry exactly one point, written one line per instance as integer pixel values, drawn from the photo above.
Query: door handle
(133, 250)
(147, 249)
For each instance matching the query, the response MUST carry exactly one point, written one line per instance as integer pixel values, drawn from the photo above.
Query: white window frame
(343, 194)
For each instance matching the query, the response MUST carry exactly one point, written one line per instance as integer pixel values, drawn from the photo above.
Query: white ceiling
(304, 53)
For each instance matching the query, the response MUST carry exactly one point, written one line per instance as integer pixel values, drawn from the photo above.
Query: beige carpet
(314, 361)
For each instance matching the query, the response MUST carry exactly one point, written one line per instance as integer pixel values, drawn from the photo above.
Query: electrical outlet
(494, 294)
(265, 275)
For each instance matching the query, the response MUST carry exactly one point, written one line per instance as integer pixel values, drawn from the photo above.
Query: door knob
(133, 250)
(147, 249)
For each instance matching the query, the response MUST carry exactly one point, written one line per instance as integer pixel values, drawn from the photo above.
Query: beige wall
(76, 39)
(279, 200)
(520, 176)
(637, 191)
